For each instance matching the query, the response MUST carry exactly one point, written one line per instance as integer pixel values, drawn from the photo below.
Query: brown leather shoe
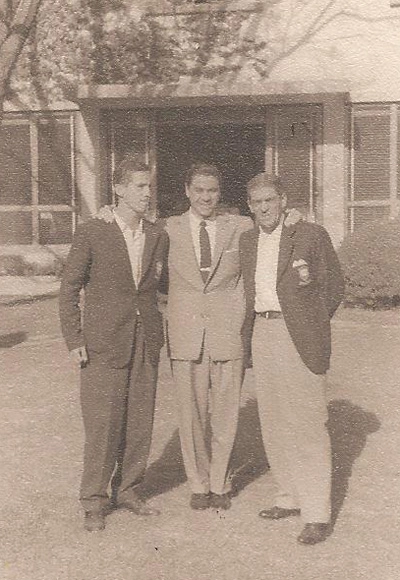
(94, 521)
(138, 507)
(220, 502)
(313, 533)
(200, 501)
(277, 513)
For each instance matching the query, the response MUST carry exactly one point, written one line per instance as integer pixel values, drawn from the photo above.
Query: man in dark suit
(293, 285)
(120, 267)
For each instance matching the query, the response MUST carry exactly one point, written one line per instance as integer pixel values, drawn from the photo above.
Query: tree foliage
(16, 20)
(106, 42)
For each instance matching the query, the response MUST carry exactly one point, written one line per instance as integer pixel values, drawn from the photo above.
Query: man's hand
(293, 217)
(80, 356)
(105, 213)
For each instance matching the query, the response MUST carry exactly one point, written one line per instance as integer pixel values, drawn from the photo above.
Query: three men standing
(293, 285)
(120, 266)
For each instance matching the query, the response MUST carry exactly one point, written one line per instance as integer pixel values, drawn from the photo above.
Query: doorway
(237, 150)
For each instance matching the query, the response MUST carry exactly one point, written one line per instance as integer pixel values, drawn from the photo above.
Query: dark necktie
(205, 252)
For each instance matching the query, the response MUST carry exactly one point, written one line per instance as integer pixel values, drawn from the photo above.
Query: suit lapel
(285, 250)
(150, 241)
(188, 260)
(223, 235)
(121, 250)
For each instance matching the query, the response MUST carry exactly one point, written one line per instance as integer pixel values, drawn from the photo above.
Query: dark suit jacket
(307, 310)
(99, 262)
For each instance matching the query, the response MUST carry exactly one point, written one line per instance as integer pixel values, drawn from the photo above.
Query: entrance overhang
(332, 96)
(211, 93)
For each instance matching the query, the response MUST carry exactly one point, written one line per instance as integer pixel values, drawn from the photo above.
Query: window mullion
(34, 142)
(393, 160)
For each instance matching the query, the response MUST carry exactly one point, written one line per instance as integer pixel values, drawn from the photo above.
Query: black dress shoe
(200, 501)
(277, 513)
(94, 521)
(220, 501)
(138, 507)
(314, 533)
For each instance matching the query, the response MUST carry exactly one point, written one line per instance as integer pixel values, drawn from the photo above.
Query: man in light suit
(293, 285)
(120, 267)
(204, 317)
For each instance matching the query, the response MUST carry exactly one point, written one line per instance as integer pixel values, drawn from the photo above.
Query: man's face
(134, 193)
(267, 206)
(204, 194)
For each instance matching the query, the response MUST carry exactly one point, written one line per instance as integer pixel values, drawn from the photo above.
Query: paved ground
(41, 536)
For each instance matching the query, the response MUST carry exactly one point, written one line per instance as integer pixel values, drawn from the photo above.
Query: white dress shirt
(135, 246)
(211, 227)
(266, 270)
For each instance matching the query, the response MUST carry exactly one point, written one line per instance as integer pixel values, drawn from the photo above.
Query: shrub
(30, 261)
(370, 259)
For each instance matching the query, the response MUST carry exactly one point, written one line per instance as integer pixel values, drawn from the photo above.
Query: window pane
(15, 227)
(55, 180)
(55, 227)
(15, 164)
(398, 152)
(294, 160)
(368, 215)
(372, 157)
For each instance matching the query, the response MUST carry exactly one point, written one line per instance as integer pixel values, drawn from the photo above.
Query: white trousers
(293, 415)
(198, 385)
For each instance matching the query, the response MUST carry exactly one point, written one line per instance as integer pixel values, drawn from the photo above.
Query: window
(374, 163)
(37, 186)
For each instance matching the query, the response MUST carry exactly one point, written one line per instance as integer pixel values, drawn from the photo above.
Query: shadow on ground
(167, 472)
(348, 425)
(248, 461)
(12, 339)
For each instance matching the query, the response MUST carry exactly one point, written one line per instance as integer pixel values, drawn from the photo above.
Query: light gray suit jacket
(215, 309)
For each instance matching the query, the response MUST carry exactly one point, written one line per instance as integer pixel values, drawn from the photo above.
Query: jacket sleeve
(74, 278)
(333, 280)
(248, 322)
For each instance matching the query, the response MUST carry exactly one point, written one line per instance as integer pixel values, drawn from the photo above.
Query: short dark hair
(264, 179)
(131, 163)
(202, 169)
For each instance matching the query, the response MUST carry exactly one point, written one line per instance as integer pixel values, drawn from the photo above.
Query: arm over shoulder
(245, 223)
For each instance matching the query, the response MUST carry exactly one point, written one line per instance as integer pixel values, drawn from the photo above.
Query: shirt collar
(195, 220)
(125, 228)
(276, 233)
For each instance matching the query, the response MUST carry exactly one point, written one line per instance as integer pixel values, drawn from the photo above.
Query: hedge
(30, 261)
(370, 258)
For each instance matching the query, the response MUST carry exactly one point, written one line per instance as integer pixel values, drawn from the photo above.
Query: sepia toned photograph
(200, 289)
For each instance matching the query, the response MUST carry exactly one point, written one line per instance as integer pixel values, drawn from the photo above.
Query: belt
(270, 314)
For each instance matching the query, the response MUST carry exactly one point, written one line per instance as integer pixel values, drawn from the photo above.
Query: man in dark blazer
(293, 286)
(116, 335)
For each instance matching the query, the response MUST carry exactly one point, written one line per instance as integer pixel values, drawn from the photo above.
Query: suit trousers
(293, 415)
(203, 386)
(117, 410)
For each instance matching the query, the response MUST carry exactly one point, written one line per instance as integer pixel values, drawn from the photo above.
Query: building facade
(325, 117)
